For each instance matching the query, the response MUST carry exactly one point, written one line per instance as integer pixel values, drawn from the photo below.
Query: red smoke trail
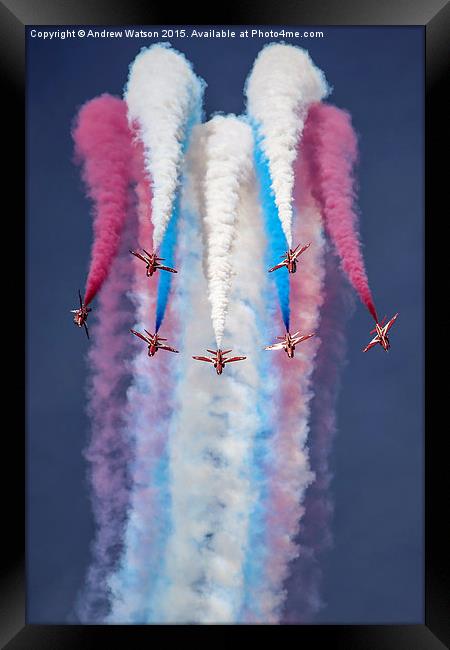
(109, 450)
(330, 147)
(304, 583)
(103, 144)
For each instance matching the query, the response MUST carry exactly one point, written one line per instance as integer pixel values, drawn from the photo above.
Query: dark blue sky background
(374, 573)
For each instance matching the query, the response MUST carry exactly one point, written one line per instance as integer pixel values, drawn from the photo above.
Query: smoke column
(162, 94)
(109, 451)
(276, 240)
(148, 410)
(210, 493)
(330, 147)
(103, 144)
(211, 438)
(164, 98)
(169, 241)
(281, 86)
(228, 161)
(168, 254)
(304, 582)
(287, 467)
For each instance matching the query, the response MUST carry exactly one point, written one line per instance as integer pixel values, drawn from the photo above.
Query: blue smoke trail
(189, 263)
(189, 258)
(277, 243)
(167, 251)
(169, 241)
(256, 555)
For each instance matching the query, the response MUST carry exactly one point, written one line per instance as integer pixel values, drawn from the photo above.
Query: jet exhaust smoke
(330, 147)
(212, 436)
(109, 449)
(286, 467)
(281, 86)
(164, 98)
(162, 95)
(103, 145)
(303, 585)
(276, 240)
(149, 404)
(167, 252)
(228, 161)
(210, 493)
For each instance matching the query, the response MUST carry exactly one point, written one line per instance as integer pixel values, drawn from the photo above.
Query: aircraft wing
(298, 339)
(166, 268)
(141, 257)
(204, 359)
(391, 322)
(167, 347)
(373, 342)
(86, 330)
(275, 346)
(141, 336)
(302, 250)
(278, 266)
(233, 359)
(380, 324)
(151, 335)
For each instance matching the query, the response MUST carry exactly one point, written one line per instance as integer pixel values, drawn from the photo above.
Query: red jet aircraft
(153, 342)
(290, 258)
(288, 343)
(153, 262)
(381, 337)
(81, 314)
(219, 359)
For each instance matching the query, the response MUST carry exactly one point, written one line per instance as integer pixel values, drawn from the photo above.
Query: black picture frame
(434, 16)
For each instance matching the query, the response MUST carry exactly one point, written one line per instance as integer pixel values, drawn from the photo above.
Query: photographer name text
(62, 34)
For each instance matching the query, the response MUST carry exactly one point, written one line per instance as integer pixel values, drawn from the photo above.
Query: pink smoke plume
(109, 450)
(288, 467)
(330, 147)
(303, 579)
(304, 583)
(103, 144)
(149, 407)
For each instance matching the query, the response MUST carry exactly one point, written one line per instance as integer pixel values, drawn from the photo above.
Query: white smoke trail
(282, 84)
(228, 155)
(149, 404)
(211, 440)
(162, 94)
(289, 471)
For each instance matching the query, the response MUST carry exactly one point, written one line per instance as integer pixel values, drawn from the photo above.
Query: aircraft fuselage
(292, 266)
